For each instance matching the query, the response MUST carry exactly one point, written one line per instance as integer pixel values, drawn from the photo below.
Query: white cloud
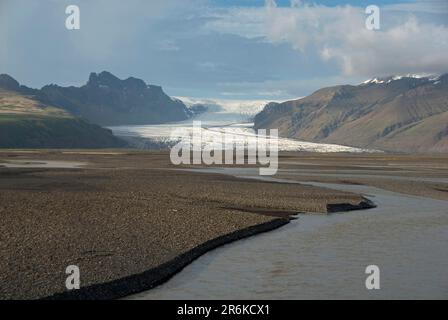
(190, 47)
(339, 34)
(296, 3)
(410, 47)
(270, 3)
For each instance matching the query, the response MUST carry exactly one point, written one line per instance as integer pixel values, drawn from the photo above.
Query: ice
(214, 131)
(226, 118)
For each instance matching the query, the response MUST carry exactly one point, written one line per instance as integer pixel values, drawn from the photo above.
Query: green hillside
(27, 123)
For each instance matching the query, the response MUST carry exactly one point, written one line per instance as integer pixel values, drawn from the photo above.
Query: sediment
(127, 222)
(149, 279)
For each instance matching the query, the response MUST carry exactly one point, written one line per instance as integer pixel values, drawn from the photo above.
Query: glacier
(225, 117)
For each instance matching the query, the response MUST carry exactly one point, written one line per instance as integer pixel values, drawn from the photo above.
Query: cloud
(339, 34)
(409, 48)
(270, 3)
(283, 89)
(424, 6)
(199, 48)
(111, 25)
(296, 3)
(37, 49)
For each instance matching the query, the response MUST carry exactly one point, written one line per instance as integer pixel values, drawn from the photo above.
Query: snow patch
(429, 77)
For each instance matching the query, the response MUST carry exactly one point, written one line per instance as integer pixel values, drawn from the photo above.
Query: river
(325, 256)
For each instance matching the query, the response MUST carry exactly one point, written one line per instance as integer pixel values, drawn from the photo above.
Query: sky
(224, 49)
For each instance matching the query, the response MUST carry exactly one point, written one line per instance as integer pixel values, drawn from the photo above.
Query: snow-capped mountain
(386, 80)
(399, 113)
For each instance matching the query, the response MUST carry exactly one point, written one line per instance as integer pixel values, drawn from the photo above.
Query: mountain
(108, 101)
(27, 122)
(405, 114)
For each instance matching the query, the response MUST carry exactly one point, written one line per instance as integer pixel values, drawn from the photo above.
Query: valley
(135, 215)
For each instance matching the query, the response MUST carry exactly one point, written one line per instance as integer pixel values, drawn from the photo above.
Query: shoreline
(328, 249)
(152, 278)
(126, 234)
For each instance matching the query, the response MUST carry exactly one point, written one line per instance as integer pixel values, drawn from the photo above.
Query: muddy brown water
(325, 257)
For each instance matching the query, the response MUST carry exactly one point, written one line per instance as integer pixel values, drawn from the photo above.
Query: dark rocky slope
(107, 100)
(27, 122)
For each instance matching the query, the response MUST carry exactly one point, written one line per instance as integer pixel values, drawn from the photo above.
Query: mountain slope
(395, 114)
(108, 101)
(26, 122)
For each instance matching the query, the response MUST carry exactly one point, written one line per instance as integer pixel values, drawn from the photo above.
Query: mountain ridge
(404, 114)
(107, 100)
(28, 123)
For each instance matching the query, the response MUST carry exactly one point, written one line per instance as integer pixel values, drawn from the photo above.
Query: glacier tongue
(225, 117)
(213, 131)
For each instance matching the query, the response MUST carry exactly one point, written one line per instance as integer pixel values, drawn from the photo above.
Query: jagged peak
(103, 78)
(107, 79)
(8, 82)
